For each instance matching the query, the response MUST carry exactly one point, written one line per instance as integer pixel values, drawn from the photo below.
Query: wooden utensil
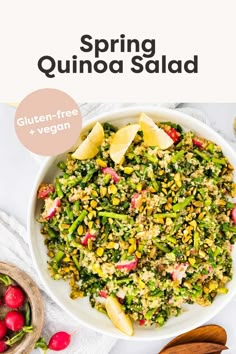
(195, 348)
(210, 333)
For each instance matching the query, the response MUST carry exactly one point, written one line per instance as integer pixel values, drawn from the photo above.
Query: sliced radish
(44, 190)
(230, 246)
(173, 134)
(210, 269)
(121, 294)
(136, 200)
(110, 171)
(84, 240)
(233, 214)
(197, 142)
(103, 293)
(51, 207)
(205, 276)
(127, 265)
(142, 322)
(179, 271)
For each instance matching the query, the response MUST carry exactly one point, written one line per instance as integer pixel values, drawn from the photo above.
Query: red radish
(14, 297)
(1, 303)
(44, 190)
(103, 293)
(14, 320)
(197, 143)
(179, 271)
(110, 171)
(51, 207)
(59, 341)
(3, 329)
(3, 346)
(85, 239)
(233, 214)
(173, 134)
(142, 322)
(127, 265)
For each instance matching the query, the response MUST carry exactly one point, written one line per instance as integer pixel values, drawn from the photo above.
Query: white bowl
(80, 309)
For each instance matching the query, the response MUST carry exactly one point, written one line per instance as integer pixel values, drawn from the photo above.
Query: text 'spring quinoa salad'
(154, 231)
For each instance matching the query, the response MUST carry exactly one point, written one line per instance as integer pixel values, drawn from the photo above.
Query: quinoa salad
(154, 232)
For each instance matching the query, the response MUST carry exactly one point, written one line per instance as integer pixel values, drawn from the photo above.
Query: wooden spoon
(195, 348)
(210, 333)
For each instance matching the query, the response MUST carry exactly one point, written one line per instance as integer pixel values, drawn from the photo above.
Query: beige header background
(30, 29)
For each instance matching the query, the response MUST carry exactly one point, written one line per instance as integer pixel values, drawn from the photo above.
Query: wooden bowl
(27, 344)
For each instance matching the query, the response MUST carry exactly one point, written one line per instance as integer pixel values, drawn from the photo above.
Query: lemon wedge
(118, 316)
(96, 136)
(89, 147)
(152, 135)
(122, 140)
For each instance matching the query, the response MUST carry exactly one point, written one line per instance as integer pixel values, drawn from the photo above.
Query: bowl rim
(112, 114)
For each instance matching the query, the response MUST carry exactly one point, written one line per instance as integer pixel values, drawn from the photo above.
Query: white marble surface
(18, 171)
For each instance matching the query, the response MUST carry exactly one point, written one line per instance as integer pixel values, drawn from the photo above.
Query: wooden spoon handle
(195, 348)
(209, 333)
